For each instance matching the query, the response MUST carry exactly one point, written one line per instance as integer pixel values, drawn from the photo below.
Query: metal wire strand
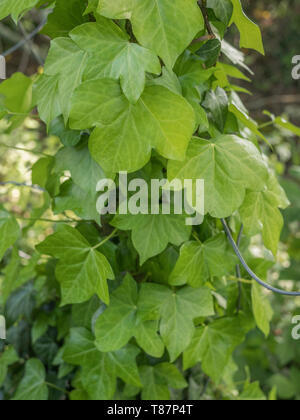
(248, 269)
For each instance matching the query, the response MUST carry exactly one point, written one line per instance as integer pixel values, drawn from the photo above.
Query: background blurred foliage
(275, 362)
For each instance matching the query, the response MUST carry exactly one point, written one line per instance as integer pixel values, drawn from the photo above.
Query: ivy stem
(106, 239)
(202, 5)
(268, 124)
(57, 388)
(195, 236)
(240, 280)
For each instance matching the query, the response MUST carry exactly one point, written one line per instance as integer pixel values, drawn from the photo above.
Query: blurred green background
(274, 362)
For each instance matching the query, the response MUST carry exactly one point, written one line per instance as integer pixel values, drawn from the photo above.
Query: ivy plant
(132, 306)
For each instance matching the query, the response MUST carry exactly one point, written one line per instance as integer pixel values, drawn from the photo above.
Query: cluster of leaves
(96, 313)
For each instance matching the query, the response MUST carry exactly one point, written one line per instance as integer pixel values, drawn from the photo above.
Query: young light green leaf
(17, 98)
(119, 9)
(246, 120)
(158, 31)
(114, 56)
(263, 312)
(82, 271)
(65, 58)
(15, 9)
(48, 102)
(229, 166)
(260, 213)
(249, 31)
(126, 133)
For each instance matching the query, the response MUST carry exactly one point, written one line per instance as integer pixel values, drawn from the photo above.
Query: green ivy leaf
(217, 102)
(250, 32)
(67, 137)
(81, 270)
(229, 166)
(65, 58)
(209, 52)
(65, 16)
(223, 9)
(9, 231)
(15, 9)
(119, 9)
(213, 346)
(262, 310)
(157, 380)
(153, 232)
(260, 213)
(120, 322)
(85, 172)
(100, 370)
(252, 392)
(115, 57)
(126, 133)
(48, 102)
(8, 357)
(33, 386)
(73, 198)
(200, 262)
(162, 17)
(177, 310)
(17, 93)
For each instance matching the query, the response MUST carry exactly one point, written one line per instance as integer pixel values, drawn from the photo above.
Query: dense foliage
(125, 307)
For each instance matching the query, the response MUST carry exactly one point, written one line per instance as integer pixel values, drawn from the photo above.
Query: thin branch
(22, 184)
(32, 219)
(31, 45)
(202, 5)
(24, 41)
(22, 149)
(203, 38)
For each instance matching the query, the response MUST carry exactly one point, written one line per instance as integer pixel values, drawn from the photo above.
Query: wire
(248, 269)
(238, 270)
